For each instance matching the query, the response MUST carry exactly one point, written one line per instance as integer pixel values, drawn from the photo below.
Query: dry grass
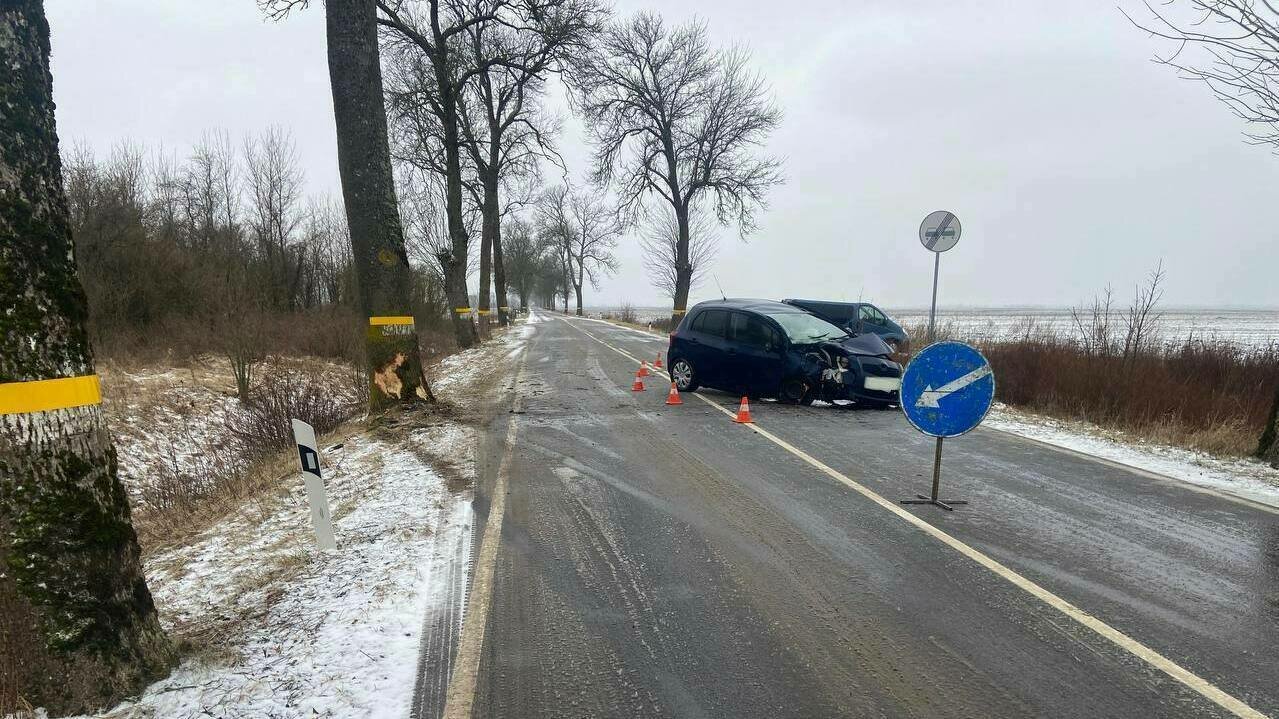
(1212, 397)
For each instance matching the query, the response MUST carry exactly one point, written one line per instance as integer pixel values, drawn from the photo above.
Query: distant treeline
(218, 251)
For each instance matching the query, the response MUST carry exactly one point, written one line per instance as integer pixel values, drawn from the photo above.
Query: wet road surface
(665, 562)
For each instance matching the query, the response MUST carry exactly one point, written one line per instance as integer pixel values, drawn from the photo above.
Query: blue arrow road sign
(947, 389)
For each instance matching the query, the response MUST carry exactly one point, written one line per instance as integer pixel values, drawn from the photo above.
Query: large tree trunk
(683, 269)
(78, 629)
(488, 231)
(1268, 447)
(455, 264)
(383, 276)
(499, 277)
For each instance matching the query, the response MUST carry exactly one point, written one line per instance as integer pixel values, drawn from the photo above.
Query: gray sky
(1071, 159)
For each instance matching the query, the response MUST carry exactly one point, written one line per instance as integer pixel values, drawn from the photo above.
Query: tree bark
(491, 217)
(78, 628)
(1268, 447)
(683, 269)
(455, 264)
(383, 277)
(499, 278)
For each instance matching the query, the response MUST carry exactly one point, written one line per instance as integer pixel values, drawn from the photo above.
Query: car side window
(753, 332)
(712, 322)
(870, 314)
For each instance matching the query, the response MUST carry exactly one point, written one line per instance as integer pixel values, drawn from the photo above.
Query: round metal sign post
(937, 233)
(946, 391)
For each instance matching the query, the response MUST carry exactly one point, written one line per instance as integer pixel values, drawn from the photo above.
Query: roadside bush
(262, 426)
(1206, 395)
(253, 452)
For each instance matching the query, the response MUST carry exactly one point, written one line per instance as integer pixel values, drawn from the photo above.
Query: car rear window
(712, 322)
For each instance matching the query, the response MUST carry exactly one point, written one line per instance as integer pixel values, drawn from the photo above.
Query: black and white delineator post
(309, 457)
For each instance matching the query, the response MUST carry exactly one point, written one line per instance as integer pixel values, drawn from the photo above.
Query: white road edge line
(1224, 494)
(1123, 641)
(460, 698)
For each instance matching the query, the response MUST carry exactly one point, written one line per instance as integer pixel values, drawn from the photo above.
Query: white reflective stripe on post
(309, 458)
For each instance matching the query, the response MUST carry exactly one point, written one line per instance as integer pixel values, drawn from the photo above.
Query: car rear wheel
(683, 375)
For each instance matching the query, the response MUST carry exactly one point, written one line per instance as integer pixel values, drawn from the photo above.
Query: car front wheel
(683, 375)
(795, 391)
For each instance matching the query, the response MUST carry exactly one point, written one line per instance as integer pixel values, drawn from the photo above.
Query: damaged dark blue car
(763, 348)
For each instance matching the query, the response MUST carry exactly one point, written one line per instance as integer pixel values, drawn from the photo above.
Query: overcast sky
(1071, 160)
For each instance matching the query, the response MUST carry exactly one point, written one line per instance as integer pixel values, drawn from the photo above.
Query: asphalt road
(654, 561)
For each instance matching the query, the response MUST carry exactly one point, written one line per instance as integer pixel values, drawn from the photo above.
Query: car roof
(825, 302)
(746, 303)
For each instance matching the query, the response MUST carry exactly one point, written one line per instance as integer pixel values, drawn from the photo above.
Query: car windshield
(804, 328)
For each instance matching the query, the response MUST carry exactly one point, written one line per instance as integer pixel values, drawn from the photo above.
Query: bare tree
(523, 256)
(275, 195)
(78, 628)
(660, 242)
(1232, 46)
(1141, 319)
(457, 41)
(506, 134)
(674, 118)
(383, 274)
(585, 230)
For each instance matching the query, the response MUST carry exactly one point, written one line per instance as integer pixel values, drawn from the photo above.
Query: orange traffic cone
(673, 397)
(744, 413)
(658, 363)
(643, 370)
(638, 386)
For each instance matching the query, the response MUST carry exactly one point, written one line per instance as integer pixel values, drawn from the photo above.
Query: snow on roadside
(470, 366)
(281, 629)
(1245, 478)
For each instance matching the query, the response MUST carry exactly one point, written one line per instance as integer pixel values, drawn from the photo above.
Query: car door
(708, 346)
(755, 360)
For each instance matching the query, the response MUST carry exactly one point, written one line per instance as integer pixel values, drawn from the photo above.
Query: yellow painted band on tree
(679, 312)
(463, 310)
(503, 309)
(49, 394)
(399, 320)
(485, 313)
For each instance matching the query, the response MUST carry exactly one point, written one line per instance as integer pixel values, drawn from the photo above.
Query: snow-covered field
(1246, 478)
(1244, 327)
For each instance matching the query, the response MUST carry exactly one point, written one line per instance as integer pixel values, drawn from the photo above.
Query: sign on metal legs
(309, 457)
(946, 391)
(937, 233)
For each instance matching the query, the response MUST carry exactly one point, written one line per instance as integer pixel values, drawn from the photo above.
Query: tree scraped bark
(78, 629)
(383, 275)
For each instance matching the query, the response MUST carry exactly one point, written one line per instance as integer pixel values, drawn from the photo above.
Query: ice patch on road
(1244, 478)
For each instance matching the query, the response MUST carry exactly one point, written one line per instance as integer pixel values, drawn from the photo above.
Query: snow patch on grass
(281, 629)
(1245, 478)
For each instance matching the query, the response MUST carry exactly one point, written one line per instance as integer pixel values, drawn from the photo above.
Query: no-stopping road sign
(939, 231)
(947, 389)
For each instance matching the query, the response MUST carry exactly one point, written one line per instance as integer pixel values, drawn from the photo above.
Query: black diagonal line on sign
(940, 229)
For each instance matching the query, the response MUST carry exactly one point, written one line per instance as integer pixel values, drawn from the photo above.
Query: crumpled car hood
(867, 345)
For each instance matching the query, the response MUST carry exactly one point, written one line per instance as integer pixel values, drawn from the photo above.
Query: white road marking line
(1123, 641)
(460, 699)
